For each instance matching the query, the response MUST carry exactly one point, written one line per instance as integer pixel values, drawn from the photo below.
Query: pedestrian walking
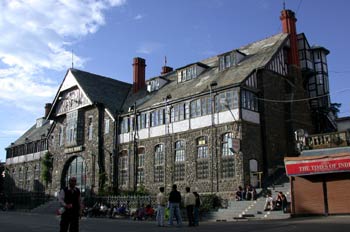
(196, 209)
(69, 198)
(190, 201)
(174, 206)
(161, 202)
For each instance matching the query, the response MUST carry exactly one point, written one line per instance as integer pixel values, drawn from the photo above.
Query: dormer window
(187, 74)
(190, 72)
(230, 59)
(153, 85)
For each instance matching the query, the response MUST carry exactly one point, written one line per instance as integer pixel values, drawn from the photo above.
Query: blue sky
(37, 39)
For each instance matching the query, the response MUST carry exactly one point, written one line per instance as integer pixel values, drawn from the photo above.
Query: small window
(106, 125)
(90, 128)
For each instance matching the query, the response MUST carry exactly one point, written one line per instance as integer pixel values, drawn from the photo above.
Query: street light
(211, 87)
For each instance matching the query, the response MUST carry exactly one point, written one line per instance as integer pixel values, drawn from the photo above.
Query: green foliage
(46, 168)
(102, 190)
(210, 202)
(141, 191)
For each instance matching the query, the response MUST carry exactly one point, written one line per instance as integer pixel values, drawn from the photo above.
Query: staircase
(254, 210)
(49, 207)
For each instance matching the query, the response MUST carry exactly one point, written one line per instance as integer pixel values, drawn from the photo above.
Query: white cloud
(149, 47)
(138, 17)
(35, 38)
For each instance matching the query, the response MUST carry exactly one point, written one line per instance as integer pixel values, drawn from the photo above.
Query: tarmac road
(30, 222)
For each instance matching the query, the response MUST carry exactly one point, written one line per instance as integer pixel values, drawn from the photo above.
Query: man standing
(174, 205)
(69, 198)
(161, 201)
(190, 201)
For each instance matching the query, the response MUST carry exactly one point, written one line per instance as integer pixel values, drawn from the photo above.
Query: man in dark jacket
(174, 206)
(70, 199)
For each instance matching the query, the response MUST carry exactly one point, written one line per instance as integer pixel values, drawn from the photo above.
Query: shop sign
(73, 149)
(319, 166)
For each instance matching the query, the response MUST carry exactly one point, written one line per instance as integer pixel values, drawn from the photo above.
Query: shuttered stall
(308, 197)
(338, 193)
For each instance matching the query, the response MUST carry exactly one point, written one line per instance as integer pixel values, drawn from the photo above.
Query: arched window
(227, 157)
(202, 158)
(180, 158)
(77, 169)
(159, 163)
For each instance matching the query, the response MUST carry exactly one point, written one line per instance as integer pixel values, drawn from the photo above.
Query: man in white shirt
(161, 202)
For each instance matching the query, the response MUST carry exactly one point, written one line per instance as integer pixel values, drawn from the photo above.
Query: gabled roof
(33, 134)
(258, 54)
(98, 89)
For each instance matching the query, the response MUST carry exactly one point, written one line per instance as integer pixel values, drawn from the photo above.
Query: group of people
(191, 202)
(143, 212)
(248, 194)
(71, 207)
(280, 203)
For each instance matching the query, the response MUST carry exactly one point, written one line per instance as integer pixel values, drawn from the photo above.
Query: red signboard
(318, 166)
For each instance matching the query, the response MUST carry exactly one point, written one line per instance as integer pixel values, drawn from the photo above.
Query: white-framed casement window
(202, 158)
(72, 128)
(200, 107)
(158, 117)
(227, 156)
(90, 128)
(159, 163)
(123, 167)
(249, 100)
(142, 121)
(178, 112)
(226, 99)
(141, 166)
(180, 158)
(60, 135)
(226, 61)
(106, 125)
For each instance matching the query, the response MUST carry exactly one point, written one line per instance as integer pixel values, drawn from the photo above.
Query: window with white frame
(178, 112)
(141, 166)
(125, 125)
(142, 120)
(106, 125)
(90, 128)
(227, 156)
(158, 117)
(159, 163)
(249, 100)
(202, 158)
(226, 61)
(72, 128)
(123, 167)
(180, 158)
(60, 135)
(200, 107)
(187, 73)
(226, 100)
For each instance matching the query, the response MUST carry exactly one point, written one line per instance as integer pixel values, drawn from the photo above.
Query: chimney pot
(166, 69)
(47, 109)
(139, 69)
(289, 26)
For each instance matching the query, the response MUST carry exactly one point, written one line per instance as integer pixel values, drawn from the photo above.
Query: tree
(46, 168)
(335, 108)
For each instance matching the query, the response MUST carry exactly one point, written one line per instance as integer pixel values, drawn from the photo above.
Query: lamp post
(132, 109)
(167, 134)
(212, 85)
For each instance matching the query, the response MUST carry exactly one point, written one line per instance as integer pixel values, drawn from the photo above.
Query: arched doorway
(75, 167)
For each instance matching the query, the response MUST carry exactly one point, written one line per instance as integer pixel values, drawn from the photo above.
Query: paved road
(29, 222)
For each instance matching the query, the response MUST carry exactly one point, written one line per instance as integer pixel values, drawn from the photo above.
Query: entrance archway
(75, 167)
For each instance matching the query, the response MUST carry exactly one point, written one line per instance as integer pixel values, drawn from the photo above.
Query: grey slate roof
(100, 89)
(258, 54)
(33, 134)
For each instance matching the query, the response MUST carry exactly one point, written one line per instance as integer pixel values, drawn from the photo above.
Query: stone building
(213, 124)
(23, 157)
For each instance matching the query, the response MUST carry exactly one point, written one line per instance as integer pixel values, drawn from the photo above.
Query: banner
(318, 166)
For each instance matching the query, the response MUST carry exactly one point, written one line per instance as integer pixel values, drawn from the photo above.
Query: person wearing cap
(69, 198)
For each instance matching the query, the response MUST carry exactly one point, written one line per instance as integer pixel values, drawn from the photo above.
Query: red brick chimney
(47, 109)
(289, 26)
(166, 69)
(139, 67)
